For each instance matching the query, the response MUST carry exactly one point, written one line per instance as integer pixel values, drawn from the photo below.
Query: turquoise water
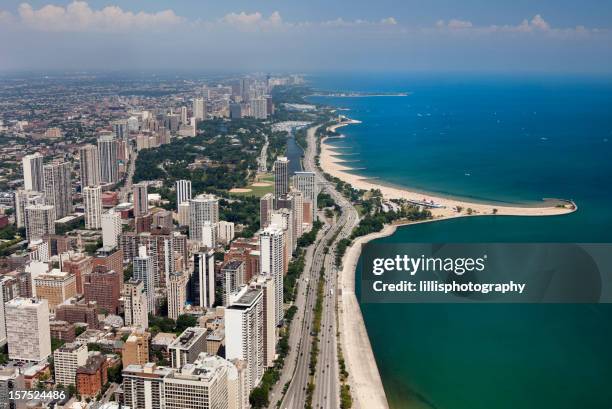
(503, 139)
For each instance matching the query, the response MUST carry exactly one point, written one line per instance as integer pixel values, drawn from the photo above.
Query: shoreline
(446, 207)
(364, 377)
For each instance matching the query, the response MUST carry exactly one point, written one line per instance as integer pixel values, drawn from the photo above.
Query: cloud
(253, 21)
(454, 24)
(78, 17)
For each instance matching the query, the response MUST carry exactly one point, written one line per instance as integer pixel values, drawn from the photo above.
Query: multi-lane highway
(326, 380)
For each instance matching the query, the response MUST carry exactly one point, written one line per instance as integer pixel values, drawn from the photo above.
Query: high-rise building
(3, 299)
(281, 176)
(141, 199)
(24, 198)
(306, 183)
(272, 262)
(66, 360)
(183, 191)
(183, 214)
(187, 347)
(143, 270)
(109, 166)
(104, 287)
(225, 232)
(199, 109)
(184, 119)
(235, 111)
(11, 381)
(177, 294)
(202, 208)
(136, 349)
(283, 218)
(58, 187)
(89, 165)
(244, 340)
(202, 385)
(27, 329)
(209, 235)
(135, 304)
(266, 206)
(92, 198)
(233, 274)
(143, 386)
(56, 287)
(259, 108)
(296, 199)
(120, 128)
(39, 221)
(202, 281)
(267, 286)
(33, 172)
(111, 228)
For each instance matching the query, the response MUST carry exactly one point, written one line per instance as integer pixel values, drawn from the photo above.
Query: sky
(549, 36)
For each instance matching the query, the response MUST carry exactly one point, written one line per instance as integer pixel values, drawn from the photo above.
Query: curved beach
(445, 207)
(364, 377)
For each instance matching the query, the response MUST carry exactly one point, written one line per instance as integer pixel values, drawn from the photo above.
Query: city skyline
(438, 36)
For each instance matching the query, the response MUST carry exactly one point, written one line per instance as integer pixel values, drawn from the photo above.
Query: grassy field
(258, 191)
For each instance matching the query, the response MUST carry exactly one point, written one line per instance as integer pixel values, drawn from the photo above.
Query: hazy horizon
(542, 36)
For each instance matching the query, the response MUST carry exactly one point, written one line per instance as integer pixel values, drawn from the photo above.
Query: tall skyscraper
(27, 328)
(177, 294)
(92, 198)
(39, 221)
(120, 128)
(109, 167)
(259, 108)
(135, 304)
(296, 199)
(24, 198)
(89, 165)
(143, 270)
(184, 119)
(244, 340)
(267, 286)
(3, 299)
(306, 183)
(202, 208)
(281, 176)
(202, 280)
(266, 207)
(209, 235)
(33, 172)
(199, 109)
(58, 187)
(141, 199)
(183, 191)
(111, 228)
(272, 260)
(233, 274)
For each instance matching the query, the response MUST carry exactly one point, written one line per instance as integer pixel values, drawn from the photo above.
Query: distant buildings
(183, 191)
(199, 109)
(27, 327)
(305, 182)
(33, 172)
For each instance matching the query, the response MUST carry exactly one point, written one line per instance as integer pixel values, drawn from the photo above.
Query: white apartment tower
(306, 183)
(271, 263)
(199, 109)
(92, 198)
(27, 329)
(183, 191)
(89, 165)
(58, 187)
(24, 198)
(111, 228)
(33, 172)
(202, 208)
(66, 360)
(267, 286)
(203, 278)
(135, 304)
(177, 294)
(39, 221)
(143, 270)
(244, 340)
